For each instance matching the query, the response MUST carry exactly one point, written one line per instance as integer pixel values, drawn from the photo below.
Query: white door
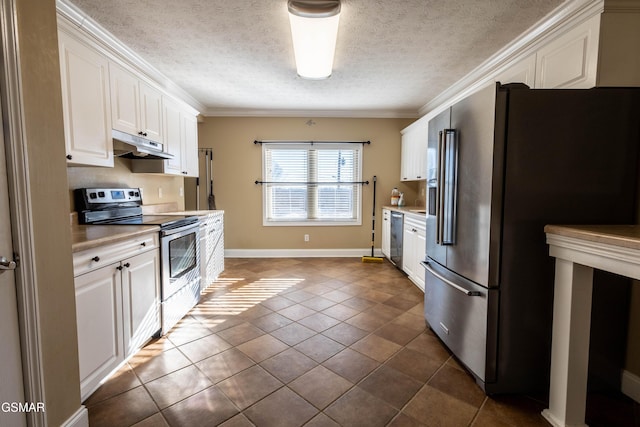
(11, 387)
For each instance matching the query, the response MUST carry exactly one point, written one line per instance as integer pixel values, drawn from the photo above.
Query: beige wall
(46, 165)
(238, 164)
(120, 176)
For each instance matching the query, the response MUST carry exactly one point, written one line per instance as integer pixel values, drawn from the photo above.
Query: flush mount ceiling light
(314, 28)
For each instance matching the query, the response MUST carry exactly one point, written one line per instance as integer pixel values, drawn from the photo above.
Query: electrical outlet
(306, 237)
(181, 192)
(160, 192)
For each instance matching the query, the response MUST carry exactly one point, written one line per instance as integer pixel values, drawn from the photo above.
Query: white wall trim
(299, 253)
(631, 385)
(79, 419)
(20, 205)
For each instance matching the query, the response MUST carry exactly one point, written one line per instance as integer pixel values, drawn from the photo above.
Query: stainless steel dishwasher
(397, 220)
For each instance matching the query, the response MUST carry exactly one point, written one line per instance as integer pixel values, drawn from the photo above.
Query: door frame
(20, 207)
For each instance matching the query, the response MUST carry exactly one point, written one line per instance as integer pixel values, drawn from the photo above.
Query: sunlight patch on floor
(244, 297)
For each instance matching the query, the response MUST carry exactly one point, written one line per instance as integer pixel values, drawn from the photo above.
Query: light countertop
(91, 236)
(415, 210)
(627, 236)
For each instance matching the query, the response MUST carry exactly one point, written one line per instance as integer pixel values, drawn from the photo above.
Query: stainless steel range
(179, 244)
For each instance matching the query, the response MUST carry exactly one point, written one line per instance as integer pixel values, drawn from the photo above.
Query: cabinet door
(151, 113)
(141, 299)
(85, 104)
(172, 122)
(189, 145)
(408, 250)
(414, 152)
(386, 233)
(125, 100)
(570, 61)
(99, 323)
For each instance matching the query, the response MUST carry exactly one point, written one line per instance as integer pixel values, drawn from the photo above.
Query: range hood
(136, 147)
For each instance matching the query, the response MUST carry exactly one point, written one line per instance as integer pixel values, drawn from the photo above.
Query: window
(312, 184)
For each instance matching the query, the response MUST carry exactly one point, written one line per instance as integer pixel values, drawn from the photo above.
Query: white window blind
(312, 183)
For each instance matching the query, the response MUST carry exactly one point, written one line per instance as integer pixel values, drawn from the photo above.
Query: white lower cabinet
(117, 306)
(212, 248)
(386, 233)
(99, 320)
(413, 248)
(140, 299)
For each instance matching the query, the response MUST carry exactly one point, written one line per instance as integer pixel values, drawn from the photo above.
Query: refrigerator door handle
(450, 190)
(439, 185)
(449, 282)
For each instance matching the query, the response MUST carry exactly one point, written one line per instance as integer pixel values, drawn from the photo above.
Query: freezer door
(473, 120)
(435, 250)
(461, 313)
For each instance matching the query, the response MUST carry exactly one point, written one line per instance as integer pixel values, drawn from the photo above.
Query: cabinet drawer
(457, 311)
(91, 259)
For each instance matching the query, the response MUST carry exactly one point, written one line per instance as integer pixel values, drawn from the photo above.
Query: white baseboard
(631, 385)
(79, 419)
(299, 253)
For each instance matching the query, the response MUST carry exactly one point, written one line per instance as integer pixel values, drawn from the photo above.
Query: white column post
(570, 346)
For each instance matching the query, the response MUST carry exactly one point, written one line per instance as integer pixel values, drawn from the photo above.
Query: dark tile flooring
(313, 342)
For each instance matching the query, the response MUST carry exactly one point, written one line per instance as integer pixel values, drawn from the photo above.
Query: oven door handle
(171, 231)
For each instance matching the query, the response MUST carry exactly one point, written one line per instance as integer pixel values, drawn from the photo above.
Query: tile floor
(313, 342)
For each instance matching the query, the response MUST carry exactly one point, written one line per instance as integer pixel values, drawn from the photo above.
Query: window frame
(356, 183)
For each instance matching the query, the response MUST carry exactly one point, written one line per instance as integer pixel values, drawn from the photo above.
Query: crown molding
(564, 17)
(116, 50)
(363, 114)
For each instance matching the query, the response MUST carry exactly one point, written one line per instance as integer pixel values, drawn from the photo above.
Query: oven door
(180, 252)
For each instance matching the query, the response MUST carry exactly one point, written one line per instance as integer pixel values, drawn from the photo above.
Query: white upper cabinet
(571, 60)
(151, 112)
(523, 71)
(86, 104)
(190, 144)
(136, 107)
(414, 151)
(180, 129)
(172, 118)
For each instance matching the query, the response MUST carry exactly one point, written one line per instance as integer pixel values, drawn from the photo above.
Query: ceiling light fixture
(314, 29)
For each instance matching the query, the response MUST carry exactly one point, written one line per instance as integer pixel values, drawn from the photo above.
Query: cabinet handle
(143, 244)
(69, 157)
(127, 265)
(95, 258)
(119, 268)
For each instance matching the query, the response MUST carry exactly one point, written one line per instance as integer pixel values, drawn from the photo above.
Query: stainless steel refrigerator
(503, 163)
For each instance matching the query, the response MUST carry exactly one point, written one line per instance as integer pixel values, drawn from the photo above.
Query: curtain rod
(312, 142)
(313, 182)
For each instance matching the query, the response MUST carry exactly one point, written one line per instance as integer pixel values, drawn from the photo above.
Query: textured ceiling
(392, 57)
